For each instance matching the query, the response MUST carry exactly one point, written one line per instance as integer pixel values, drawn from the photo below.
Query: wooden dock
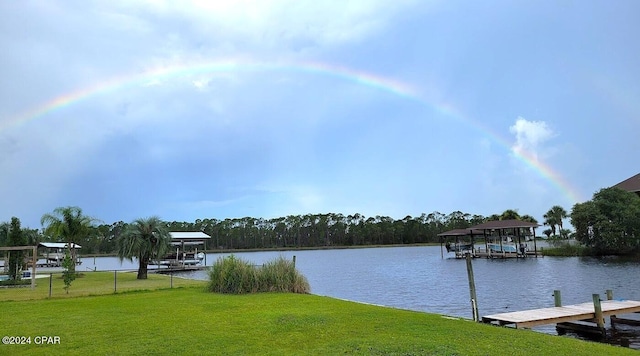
(562, 314)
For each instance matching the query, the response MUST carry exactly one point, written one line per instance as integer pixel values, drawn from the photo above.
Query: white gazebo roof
(58, 245)
(189, 235)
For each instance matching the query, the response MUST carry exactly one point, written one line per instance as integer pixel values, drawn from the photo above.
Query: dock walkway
(555, 315)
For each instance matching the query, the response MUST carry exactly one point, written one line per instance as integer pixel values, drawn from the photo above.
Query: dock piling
(609, 294)
(557, 298)
(472, 289)
(598, 314)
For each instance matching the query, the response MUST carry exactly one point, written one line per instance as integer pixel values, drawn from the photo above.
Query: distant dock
(179, 268)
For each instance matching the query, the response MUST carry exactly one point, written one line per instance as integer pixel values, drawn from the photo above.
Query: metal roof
(631, 184)
(460, 232)
(189, 235)
(504, 224)
(58, 245)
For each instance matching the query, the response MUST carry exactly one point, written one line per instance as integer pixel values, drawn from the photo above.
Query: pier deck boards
(554, 315)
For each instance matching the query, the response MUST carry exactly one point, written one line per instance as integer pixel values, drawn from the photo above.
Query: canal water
(418, 278)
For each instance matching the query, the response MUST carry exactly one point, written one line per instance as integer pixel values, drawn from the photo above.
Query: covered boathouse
(502, 239)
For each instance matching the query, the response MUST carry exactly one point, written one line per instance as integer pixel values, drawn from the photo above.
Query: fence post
(171, 279)
(50, 283)
(115, 281)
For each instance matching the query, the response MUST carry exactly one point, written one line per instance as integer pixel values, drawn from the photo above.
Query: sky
(217, 109)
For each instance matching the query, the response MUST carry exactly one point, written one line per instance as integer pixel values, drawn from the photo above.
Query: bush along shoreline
(233, 275)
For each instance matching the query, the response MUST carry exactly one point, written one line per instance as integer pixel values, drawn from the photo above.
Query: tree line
(293, 231)
(609, 223)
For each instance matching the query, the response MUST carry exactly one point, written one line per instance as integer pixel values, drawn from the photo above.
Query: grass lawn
(188, 320)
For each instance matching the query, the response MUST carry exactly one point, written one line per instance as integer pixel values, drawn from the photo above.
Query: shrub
(281, 275)
(233, 275)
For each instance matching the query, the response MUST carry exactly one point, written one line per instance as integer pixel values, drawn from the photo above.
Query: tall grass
(236, 276)
(564, 249)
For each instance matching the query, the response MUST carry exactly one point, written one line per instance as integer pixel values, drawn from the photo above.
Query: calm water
(417, 278)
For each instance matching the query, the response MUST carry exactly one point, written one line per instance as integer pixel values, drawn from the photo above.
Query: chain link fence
(51, 284)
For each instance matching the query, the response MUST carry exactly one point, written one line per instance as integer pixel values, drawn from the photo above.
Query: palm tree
(559, 213)
(550, 220)
(67, 223)
(144, 239)
(554, 217)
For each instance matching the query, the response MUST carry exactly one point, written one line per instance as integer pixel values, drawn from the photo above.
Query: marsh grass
(563, 248)
(280, 275)
(234, 275)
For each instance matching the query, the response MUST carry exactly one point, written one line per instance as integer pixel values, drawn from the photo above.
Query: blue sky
(216, 109)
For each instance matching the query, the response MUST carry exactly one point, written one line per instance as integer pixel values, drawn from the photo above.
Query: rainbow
(395, 87)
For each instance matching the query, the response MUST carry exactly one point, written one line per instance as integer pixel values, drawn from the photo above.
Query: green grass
(95, 283)
(191, 321)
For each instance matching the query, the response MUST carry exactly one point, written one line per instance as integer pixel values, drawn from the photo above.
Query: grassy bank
(189, 320)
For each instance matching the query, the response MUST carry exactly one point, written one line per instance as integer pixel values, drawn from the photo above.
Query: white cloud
(530, 135)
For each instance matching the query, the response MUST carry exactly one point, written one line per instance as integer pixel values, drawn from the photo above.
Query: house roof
(631, 184)
(58, 245)
(189, 235)
(504, 224)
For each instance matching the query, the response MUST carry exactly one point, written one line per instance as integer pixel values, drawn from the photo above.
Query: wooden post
(115, 281)
(472, 289)
(33, 267)
(171, 279)
(557, 298)
(441, 253)
(598, 314)
(294, 261)
(609, 294)
(50, 283)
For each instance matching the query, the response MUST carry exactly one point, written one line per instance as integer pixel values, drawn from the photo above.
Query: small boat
(459, 247)
(503, 248)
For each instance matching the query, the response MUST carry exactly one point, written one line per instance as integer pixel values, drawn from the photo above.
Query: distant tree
(69, 224)
(610, 222)
(510, 214)
(551, 222)
(547, 232)
(16, 259)
(529, 218)
(554, 218)
(144, 239)
(4, 233)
